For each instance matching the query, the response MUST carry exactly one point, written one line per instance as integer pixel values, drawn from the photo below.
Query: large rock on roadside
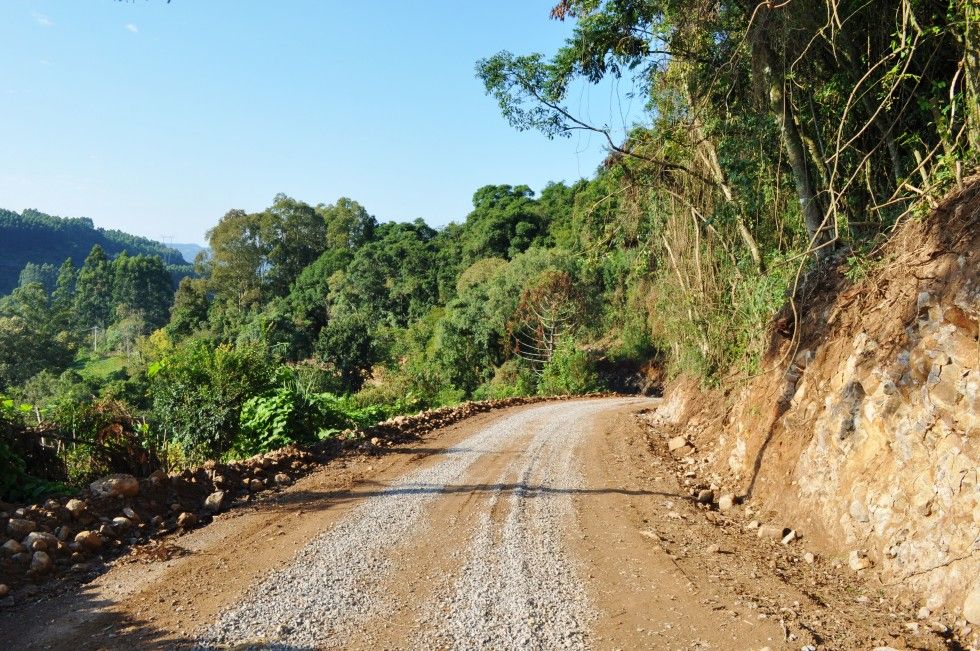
(186, 520)
(859, 561)
(215, 502)
(12, 547)
(41, 562)
(679, 446)
(76, 507)
(971, 607)
(122, 524)
(119, 485)
(41, 541)
(18, 527)
(726, 502)
(90, 541)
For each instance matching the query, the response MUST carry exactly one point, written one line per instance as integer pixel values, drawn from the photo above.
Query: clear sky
(157, 118)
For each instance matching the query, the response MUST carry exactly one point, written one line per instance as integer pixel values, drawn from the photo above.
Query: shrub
(199, 391)
(569, 371)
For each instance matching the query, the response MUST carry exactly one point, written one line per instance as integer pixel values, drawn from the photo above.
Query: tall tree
(93, 291)
(142, 286)
(63, 296)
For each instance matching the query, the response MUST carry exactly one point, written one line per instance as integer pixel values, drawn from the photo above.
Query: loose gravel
(332, 586)
(518, 588)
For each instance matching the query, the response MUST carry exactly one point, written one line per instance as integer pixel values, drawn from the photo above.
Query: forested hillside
(779, 139)
(46, 241)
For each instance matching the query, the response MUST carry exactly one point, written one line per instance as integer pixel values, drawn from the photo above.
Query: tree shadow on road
(371, 489)
(85, 622)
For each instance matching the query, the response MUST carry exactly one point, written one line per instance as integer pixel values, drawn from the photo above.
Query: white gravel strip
(331, 586)
(518, 589)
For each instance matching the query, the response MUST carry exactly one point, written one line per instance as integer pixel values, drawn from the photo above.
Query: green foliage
(570, 371)
(16, 482)
(30, 338)
(198, 392)
(283, 417)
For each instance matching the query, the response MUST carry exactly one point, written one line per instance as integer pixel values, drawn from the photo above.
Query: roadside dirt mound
(864, 433)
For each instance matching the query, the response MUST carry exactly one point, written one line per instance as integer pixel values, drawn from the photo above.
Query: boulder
(971, 606)
(726, 502)
(255, 485)
(118, 485)
(76, 507)
(772, 532)
(122, 524)
(38, 540)
(677, 445)
(215, 502)
(18, 527)
(282, 479)
(41, 562)
(12, 547)
(186, 520)
(90, 541)
(858, 561)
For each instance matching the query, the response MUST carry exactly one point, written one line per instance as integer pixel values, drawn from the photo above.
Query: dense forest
(47, 241)
(780, 138)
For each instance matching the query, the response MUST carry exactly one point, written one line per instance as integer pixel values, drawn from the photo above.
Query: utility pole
(95, 339)
(166, 240)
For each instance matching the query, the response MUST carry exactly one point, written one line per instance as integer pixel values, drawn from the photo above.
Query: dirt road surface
(548, 526)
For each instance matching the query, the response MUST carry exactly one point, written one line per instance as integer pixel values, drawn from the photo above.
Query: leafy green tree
(504, 222)
(239, 259)
(141, 285)
(347, 344)
(393, 279)
(93, 291)
(42, 274)
(295, 236)
(190, 309)
(348, 224)
(30, 341)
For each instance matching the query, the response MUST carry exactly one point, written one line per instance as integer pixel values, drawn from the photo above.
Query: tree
(295, 236)
(42, 274)
(190, 309)
(142, 285)
(505, 221)
(93, 291)
(239, 259)
(348, 224)
(347, 344)
(30, 340)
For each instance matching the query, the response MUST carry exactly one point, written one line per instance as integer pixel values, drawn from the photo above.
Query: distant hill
(189, 251)
(33, 236)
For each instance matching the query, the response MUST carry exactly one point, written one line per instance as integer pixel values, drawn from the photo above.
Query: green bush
(509, 380)
(199, 390)
(570, 371)
(283, 417)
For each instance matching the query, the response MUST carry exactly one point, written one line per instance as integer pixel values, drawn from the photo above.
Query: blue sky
(158, 118)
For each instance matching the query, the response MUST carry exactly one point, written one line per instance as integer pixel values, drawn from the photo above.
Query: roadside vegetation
(779, 137)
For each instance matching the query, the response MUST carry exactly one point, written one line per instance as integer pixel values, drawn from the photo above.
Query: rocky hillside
(864, 433)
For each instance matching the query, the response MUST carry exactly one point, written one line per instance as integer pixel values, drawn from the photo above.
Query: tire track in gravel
(518, 588)
(336, 582)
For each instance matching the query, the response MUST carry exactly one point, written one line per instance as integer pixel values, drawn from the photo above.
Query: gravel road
(560, 525)
(517, 589)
